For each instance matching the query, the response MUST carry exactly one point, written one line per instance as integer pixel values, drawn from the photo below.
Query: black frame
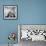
(10, 5)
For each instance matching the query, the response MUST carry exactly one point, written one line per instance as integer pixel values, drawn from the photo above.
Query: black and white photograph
(10, 12)
(33, 32)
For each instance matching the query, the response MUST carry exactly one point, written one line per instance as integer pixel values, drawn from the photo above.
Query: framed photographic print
(33, 32)
(10, 12)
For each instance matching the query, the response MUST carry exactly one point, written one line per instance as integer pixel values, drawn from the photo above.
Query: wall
(33, 12)
(7, 26)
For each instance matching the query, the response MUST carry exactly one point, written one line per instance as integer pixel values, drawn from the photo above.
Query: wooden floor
(30, 43)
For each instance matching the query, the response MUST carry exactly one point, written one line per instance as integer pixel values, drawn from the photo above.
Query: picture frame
(33, 31)
(10, 12)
